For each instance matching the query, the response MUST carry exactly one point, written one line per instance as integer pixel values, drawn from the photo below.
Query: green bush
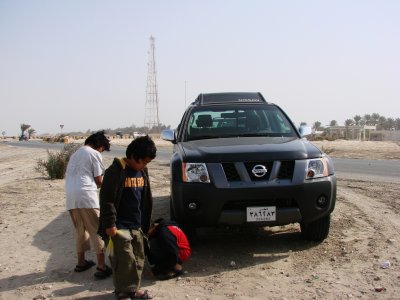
(56, 164)
(327, 150)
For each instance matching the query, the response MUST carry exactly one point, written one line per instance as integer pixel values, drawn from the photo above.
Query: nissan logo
(259, 170)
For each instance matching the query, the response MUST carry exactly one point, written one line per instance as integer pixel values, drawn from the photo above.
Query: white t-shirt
(80, 188)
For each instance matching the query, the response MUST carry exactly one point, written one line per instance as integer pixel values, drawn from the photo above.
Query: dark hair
(141, 148)
(97, 140)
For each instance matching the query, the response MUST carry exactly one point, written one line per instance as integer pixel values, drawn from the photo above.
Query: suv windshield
(237, 121)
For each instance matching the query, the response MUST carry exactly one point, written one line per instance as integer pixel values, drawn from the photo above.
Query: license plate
(260, 214)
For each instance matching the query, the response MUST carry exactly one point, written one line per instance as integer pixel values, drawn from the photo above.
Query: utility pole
(151, 111)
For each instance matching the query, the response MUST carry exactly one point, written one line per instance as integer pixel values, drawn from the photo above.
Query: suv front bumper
(294, 203)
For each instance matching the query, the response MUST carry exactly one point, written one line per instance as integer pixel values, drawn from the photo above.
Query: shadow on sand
(217, 251)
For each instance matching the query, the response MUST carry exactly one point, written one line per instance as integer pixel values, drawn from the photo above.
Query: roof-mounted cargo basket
(220, 98)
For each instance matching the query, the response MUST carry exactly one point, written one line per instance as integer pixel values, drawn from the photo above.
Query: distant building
(357, 132)
(353, 132)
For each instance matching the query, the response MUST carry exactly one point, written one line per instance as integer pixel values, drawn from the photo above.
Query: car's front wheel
(317, 230)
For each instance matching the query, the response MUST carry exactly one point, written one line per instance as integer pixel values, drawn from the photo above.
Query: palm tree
(367, 119)
(375, 118)
(317, 125)
(381, 122)
(397, 124)
(357, 119)
(333, 123)
(348, 123)
(390, 123)
(31, 132)
(24, 127)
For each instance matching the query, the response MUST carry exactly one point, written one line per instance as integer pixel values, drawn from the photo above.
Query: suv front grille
(285, 171)
(230, 172)
(250, 165)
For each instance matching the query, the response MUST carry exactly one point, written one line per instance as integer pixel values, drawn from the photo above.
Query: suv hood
(248, 149)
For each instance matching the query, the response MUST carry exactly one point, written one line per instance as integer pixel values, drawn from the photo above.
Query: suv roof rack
(232, 97)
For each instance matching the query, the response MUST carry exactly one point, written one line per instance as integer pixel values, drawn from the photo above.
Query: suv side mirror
(305, 130)
(168, 135)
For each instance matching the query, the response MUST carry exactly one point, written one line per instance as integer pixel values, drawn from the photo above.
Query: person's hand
(98, 180)
(152, 231)
(111, 231)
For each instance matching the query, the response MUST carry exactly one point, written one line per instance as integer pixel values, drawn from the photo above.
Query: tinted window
(240, 120)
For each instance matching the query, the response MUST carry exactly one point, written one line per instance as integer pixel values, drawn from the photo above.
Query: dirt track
(273, 263)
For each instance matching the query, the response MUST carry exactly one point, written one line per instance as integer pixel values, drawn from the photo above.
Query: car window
(248, 120)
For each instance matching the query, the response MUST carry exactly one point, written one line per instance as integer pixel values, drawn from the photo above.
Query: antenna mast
(151, 114)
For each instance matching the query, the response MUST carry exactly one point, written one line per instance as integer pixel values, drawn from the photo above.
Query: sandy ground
(38, 257)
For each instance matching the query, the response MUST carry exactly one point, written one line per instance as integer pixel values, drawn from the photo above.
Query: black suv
(239, 159)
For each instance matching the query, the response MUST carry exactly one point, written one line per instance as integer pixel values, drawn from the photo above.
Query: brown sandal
(103, 273)
(88, 264)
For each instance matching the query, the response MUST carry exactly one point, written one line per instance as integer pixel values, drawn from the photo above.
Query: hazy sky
(84, 63)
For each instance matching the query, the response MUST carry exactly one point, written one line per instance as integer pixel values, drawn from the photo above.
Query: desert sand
(359, 259)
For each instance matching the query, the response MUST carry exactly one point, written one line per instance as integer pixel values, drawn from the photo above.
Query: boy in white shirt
(83, 177)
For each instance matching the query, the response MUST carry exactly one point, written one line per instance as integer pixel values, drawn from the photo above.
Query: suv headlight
(195, 172)
(317, 168)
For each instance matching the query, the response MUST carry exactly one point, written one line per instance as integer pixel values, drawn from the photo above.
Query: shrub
(327, 150)
(56, 164)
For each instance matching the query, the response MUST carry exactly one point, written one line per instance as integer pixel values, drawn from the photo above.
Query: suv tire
(171, 211)
(317, 230)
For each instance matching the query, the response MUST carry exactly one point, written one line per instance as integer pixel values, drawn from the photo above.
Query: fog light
(192, 206)
(322, 201)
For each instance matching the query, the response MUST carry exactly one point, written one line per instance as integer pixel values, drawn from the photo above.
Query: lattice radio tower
(151, 116)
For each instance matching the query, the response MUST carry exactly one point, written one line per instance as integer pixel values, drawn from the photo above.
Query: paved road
(346, 168)
(117, 151)
(368, 169)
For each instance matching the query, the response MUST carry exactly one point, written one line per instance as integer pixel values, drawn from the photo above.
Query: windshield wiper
(202, 137)
(259, 134)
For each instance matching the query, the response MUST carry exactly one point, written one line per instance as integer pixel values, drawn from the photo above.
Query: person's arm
(146, 204)
(97, 168)
(98, 180)
(108, 194)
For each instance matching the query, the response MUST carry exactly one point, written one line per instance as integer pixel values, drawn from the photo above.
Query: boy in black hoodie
(125, 210)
